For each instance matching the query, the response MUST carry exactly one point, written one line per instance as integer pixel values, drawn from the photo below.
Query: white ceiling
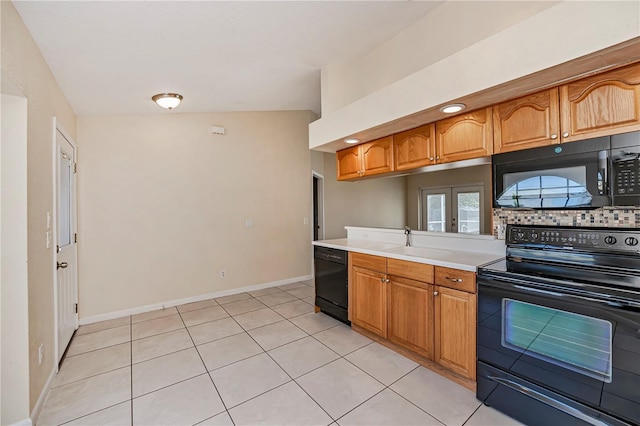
(110, 57)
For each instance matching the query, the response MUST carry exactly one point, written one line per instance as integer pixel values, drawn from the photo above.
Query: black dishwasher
(332, 283)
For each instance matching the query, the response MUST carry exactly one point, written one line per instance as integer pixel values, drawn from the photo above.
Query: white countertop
(458, 259)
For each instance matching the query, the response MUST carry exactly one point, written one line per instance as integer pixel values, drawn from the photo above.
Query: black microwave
(578, 175)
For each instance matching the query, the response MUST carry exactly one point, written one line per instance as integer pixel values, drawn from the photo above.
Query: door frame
(320, 201)
(57, 127)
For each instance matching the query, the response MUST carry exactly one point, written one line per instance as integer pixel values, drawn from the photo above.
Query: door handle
(61, 265)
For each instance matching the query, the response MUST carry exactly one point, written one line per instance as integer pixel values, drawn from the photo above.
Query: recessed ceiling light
(451, 108)
(167, 100)
(351, 140)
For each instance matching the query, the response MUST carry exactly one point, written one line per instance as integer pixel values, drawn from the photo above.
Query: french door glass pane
(64, 201)
(436, 213)
(469, 212)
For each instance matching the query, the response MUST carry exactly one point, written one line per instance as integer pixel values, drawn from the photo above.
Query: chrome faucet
(407, 232)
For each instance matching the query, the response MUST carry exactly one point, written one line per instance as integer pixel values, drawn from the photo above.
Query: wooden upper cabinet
(527, 122)
(465, 136)
(368, 159)
(415, 148)
(348, 163)
(601, 105)
(377, 156)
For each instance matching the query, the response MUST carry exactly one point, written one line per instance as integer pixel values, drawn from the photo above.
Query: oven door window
(573, 341)
(553, 188)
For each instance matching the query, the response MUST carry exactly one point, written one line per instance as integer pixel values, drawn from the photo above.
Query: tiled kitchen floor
(261, 357)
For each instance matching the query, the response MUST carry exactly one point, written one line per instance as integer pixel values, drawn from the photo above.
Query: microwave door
(572, 176)
(553, 188)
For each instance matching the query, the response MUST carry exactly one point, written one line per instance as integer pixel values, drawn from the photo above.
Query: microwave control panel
(626, 176)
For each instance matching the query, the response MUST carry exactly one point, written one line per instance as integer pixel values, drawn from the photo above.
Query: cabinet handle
(435, 293)
(437, 157)
(431, 158)
(565, 135)
(554, 136)
(455, 280)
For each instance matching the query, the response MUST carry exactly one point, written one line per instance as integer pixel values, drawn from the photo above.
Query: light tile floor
(262, 357)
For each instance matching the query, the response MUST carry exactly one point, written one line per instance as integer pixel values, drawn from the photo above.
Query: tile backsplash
(607, 217)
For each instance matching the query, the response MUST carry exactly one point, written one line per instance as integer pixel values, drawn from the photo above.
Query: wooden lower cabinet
(455, 330)
(410, 315)
(369, 300)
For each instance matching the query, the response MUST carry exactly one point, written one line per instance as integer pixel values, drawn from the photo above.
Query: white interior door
(66, 251)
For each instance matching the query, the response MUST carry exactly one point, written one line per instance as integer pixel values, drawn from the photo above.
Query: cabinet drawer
(367, 261)
(455, 278)
(415, 271)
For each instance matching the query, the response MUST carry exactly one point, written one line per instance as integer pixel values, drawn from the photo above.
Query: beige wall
(455, 177)
(414, 48)
(377, 203)
(14, 295)
(24, 66)
(538, 42)
(163, 204)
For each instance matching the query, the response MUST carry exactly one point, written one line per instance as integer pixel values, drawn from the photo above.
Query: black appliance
(332, 282)
(559, 327)
(576, 175)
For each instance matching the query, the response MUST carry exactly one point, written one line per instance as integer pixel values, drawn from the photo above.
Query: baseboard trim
(35, 413)
(24, 422)
(170, 303)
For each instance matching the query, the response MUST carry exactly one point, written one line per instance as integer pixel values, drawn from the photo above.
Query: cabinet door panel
(415, 148)
(377, 156)
(369, 301)
(411, 315)
(527, 122)
(348, 163)
(601, 105)
(465, 136)
(455, 331)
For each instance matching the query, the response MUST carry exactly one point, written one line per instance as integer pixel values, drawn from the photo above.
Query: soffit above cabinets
(606, 59)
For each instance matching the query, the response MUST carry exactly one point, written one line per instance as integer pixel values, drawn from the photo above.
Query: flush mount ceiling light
(167, 100)
(351, 140)
(451, 108)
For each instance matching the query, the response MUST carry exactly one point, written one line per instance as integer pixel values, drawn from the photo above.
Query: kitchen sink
(419, 252)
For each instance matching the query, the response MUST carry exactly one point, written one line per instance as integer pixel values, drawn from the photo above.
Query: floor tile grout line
(372, 396)
(472, 414)
(163, 355)
(411, 402)
(206, 370)
(98, 331)
(97, 349)
(91, 376)
(91, 413)
(292, 380)
(157, 334)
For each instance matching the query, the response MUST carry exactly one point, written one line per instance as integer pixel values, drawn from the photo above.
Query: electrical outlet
(365, 236)
(305, 221)
(223, 273)
(501, 231)
(40, 353)
(248, 223)
(49, 239)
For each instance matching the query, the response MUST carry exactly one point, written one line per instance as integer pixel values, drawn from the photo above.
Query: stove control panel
(580, 238)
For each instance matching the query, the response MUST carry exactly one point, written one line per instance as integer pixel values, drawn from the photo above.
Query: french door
(452, 209)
